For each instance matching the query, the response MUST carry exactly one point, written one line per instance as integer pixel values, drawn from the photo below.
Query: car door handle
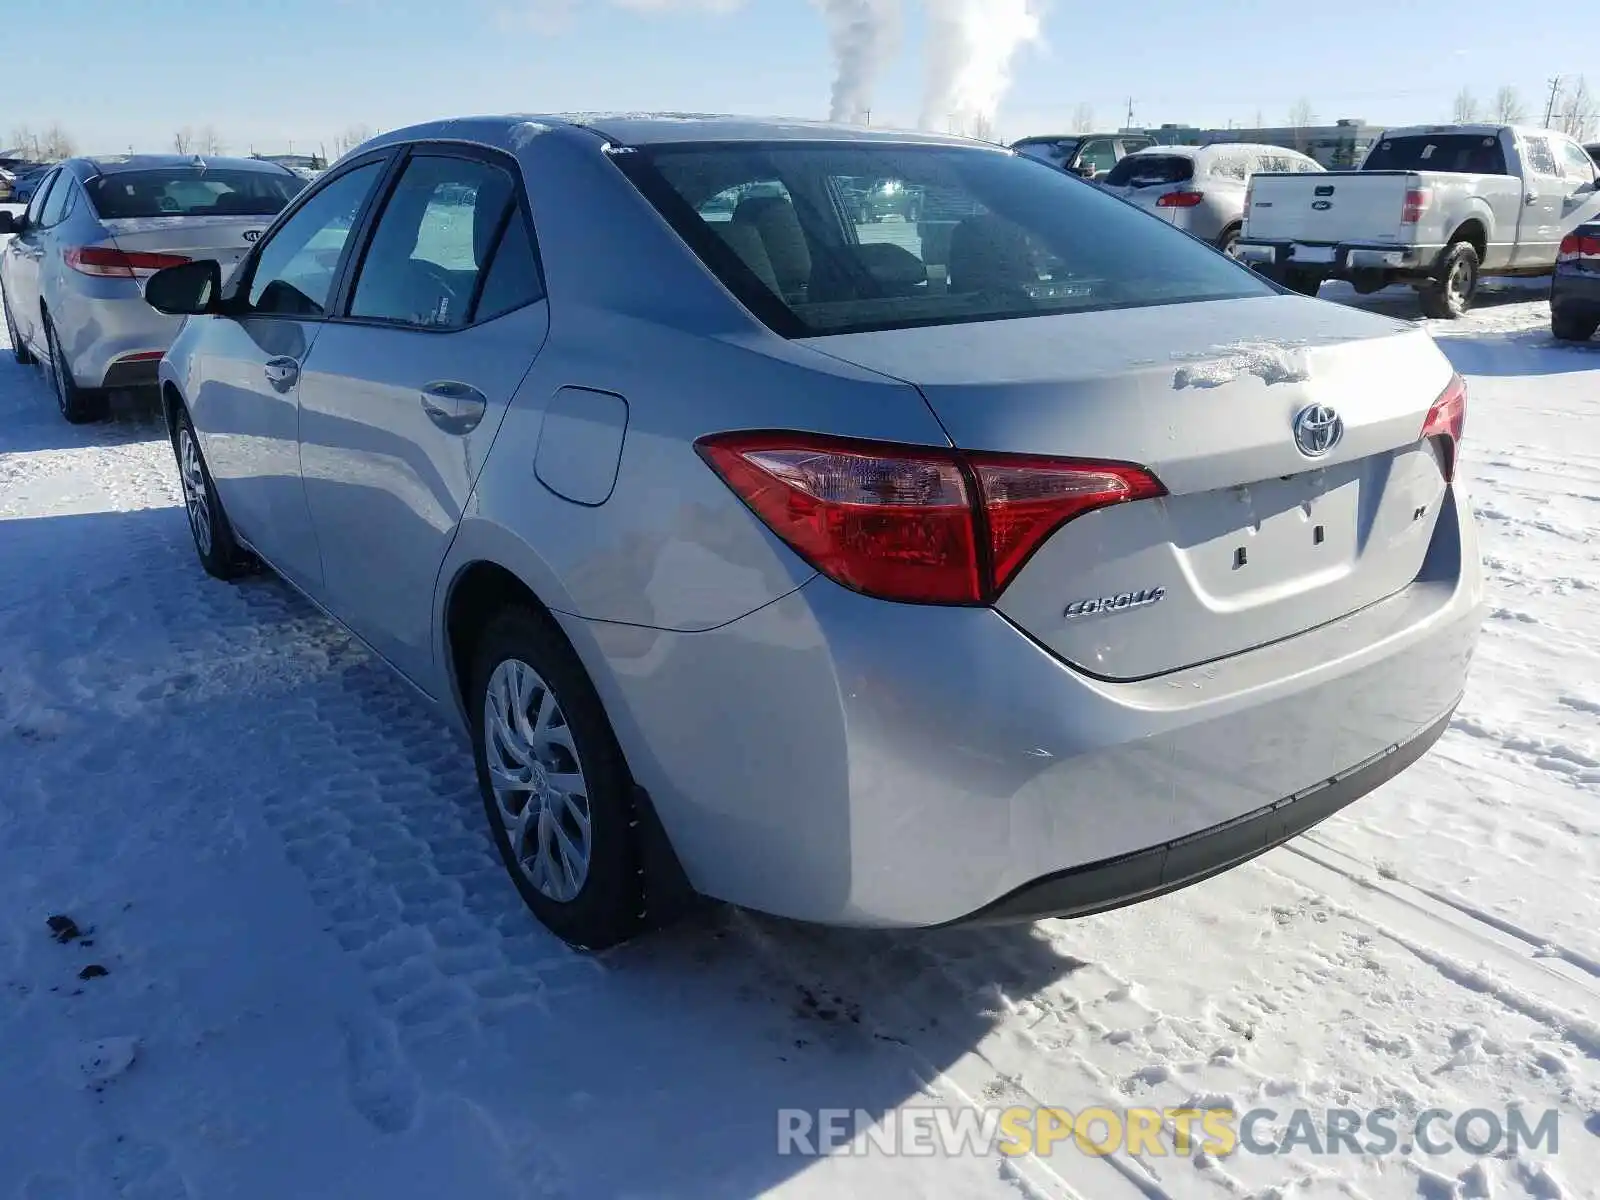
(1531, 198)
(281, 373)
(454, 407)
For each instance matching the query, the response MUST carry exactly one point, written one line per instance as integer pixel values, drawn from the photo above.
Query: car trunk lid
(1255, 540)
(223, 238)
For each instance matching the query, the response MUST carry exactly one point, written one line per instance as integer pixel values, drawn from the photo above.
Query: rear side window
(59, 203)
(40, 198)
(1149, 170)
(1541, 159)
(993, 236)
(192, 192)
(434, 241)
(1099, 154)
(1456, 153)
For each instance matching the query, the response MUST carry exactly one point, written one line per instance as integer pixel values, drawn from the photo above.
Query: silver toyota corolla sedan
(1034, 560)
(94, 230)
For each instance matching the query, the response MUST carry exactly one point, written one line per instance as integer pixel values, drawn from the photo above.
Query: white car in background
(1201, 189)
(71, 279)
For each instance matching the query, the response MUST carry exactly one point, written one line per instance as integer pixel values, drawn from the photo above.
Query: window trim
(236, 292)
(63, 185)
(344, 288)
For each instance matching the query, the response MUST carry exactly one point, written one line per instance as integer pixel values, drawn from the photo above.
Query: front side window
(1098, 153)
(295, 270)
(192, 192)
(433, 242)
(996, 236)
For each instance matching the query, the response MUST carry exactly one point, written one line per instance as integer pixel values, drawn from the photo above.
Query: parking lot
(314, 978)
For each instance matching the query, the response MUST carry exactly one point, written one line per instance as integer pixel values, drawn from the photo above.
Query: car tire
(19, 351)
(1449, 295)
(78, 405)
(540, 736)
(1569, 326)
(1228, 241)
(1307, 283)
(214, 541)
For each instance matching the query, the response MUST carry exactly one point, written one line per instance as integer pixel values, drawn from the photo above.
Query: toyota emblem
(1317, 430)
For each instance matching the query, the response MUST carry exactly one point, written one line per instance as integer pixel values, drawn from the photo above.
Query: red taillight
(105, 262)
(1573, 246)
(910, 523)
(1416, 201)
(1179, 199)
(1446, 422)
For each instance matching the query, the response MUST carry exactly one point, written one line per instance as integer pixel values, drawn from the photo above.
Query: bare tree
(209, 141)
(1508, 109)
(183, 140)
(982, 128)
(26, 140)
(1302, 115)
(56, 143)
(1465, 111)
(1579, 111)
(350, 139)
(1083, 119)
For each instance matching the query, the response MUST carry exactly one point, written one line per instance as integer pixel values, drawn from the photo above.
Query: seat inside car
(990, 254)
(774, 219)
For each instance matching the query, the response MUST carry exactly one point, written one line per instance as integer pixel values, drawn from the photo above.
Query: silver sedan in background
(1033, 567)
(93, 231)
(1200, 189)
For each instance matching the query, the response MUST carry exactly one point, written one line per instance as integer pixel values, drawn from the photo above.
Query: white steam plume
(971, 44)
(863, 33)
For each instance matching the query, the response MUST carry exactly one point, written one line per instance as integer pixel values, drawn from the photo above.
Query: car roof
(116, 164)
(654, 129)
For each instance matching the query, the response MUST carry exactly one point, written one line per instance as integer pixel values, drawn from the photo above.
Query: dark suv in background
(1091, 155)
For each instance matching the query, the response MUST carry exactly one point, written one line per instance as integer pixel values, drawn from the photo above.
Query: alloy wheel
(540, 792)
(196, 493)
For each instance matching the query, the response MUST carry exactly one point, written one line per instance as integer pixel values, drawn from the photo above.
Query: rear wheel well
(482, 590)
(1472, 232)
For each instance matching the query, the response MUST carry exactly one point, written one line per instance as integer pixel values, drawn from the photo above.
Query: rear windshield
(1456, 153)
(843, 238)
(188, 192)
(1146, 170)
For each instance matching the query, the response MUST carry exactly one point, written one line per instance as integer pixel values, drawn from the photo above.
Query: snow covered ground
(315, 981)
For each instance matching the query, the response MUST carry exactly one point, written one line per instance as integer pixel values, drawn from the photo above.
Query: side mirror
(190, 289)
(10, 223)
(1085, 170)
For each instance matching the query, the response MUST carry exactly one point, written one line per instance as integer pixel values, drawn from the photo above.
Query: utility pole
(1550, 107)
(1129, 125)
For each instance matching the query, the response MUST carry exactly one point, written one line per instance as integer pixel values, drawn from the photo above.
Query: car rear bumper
(112, 338)
(1338, 259)
(1575, 290)
(840, 759)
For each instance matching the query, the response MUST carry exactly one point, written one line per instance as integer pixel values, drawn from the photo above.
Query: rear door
(403, 395)
(1544, 188)
(246, 401)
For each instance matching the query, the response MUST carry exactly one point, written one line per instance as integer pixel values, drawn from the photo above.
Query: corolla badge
(252, 235)
(1317, 430)
(1121, 602)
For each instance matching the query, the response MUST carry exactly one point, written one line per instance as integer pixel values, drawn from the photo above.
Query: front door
(246, 398)
(401, 397)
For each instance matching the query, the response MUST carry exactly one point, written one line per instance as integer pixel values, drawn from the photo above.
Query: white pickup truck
(1435, 206)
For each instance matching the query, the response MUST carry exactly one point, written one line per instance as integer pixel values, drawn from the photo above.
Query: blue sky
(117, 73)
